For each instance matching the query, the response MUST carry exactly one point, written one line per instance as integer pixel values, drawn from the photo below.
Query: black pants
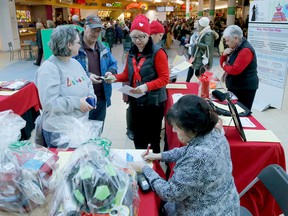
(147, 123)
(191, 73)
(40, 54)
(99, 113)
(246, 97)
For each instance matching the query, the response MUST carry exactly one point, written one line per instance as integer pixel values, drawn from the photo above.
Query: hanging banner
(268, 33)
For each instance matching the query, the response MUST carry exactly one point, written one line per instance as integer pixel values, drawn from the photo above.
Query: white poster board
(268, 34)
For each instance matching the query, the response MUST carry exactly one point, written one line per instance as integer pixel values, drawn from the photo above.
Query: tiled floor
(115, 124)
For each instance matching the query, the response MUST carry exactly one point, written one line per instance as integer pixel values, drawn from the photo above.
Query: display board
(268, 33)
(46, 34)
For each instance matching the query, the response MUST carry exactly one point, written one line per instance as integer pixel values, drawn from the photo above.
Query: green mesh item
(97, 181)
(102, 192)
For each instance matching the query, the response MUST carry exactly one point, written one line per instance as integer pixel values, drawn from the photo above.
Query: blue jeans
(99, 113)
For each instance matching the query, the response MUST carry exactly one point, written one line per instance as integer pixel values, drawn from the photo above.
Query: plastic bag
(69, 132)
(95, 184)
(204, 87)
(25, 171)
(11, 125)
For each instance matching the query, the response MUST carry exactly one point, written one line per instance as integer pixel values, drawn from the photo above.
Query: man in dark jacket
(98, 62)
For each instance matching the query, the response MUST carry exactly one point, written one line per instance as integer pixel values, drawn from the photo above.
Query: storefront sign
(114, 4)
(143, 6)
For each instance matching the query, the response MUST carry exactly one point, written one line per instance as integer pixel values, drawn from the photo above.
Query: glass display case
(27, 34)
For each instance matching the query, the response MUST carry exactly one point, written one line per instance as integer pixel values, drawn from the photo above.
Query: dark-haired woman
(202, 183)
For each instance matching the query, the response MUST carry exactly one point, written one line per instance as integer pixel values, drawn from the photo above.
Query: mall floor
(115, 124)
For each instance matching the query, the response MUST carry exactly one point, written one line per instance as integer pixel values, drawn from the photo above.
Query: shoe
(130, 134)
(36, 64)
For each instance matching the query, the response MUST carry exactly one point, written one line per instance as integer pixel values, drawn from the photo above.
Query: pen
(148, 148)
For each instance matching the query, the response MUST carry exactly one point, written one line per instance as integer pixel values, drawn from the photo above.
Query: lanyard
(136, 67)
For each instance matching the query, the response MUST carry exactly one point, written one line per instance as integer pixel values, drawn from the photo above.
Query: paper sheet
(176, 86)
(176, 97)
(225, 107)
(178, 59)
(126, 90)
(64, 157)
(135, 153)
(227, 121)
(180, 67)
(7, 93)
(261, 136)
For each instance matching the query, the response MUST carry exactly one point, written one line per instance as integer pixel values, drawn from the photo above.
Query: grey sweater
(202, 183)
(60, 86)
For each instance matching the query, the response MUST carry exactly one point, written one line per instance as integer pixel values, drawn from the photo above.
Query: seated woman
(202, 183)
(62, 83)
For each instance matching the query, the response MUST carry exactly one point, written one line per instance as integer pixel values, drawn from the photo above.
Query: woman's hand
(84, 106)
(151, 156)
(109, 78)
(142, 89)
(227, 51)
(137, 166)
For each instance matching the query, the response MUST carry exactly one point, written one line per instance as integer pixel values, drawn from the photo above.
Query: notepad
(261, 136)
(176, 86)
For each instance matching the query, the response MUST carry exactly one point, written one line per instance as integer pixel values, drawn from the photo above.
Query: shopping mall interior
(18, 63)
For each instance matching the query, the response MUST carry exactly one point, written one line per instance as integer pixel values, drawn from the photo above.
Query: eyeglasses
(140, 37)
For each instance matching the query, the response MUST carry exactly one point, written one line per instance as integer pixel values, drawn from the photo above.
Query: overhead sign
(136, 5)
(114, 4)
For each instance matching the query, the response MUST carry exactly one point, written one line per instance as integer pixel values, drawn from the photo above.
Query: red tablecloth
(248, 159)
(26, 98)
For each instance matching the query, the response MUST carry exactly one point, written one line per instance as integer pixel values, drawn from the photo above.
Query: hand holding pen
(149, 155)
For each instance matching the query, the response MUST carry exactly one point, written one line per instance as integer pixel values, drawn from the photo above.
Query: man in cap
(98, 62)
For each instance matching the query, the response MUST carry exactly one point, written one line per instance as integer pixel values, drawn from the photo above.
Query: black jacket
(248, 79)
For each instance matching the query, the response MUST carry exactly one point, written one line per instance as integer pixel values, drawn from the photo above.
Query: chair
(30, 49)
(127, 43)
(275, 179)
(13, 51)
(34, 49)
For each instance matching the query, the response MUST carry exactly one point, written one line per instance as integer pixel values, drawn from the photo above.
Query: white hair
(134, 32)
(75, 18)
(233, 31)
(39, 25)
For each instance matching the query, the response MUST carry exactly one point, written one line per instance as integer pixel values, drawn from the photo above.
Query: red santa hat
(156, 27)
(141, 23)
